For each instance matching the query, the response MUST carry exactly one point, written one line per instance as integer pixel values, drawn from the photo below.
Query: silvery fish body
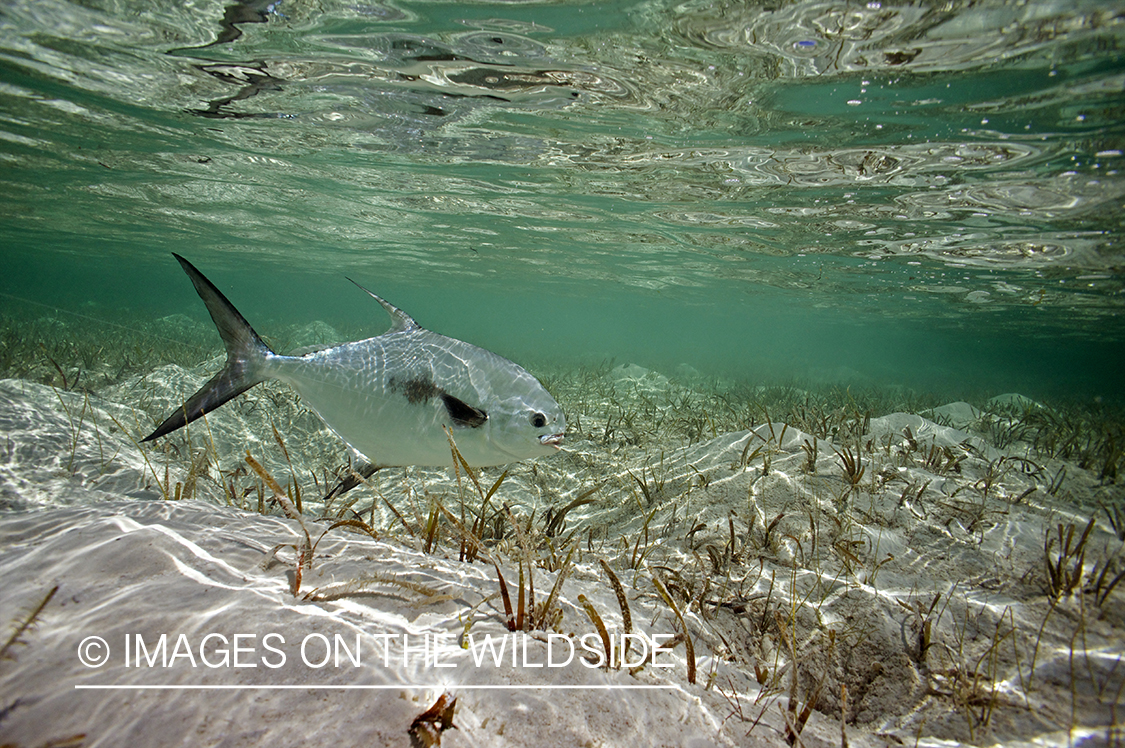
(394, 397)
(390, 396)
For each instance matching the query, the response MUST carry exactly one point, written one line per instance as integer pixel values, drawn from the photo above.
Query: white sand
(82, 510)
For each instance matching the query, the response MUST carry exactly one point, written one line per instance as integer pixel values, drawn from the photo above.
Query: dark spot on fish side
(462, 413)
(417, 390)
(422, 389)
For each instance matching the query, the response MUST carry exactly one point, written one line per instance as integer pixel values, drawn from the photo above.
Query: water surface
(910, 194)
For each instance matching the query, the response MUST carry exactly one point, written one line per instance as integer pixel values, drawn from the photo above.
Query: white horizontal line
(431, 687)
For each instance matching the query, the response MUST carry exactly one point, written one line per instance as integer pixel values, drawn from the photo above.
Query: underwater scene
(552, 373)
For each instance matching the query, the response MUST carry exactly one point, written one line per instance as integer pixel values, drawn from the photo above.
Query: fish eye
(538, 420)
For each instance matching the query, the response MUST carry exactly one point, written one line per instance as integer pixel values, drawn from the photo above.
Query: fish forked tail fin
(246, 356)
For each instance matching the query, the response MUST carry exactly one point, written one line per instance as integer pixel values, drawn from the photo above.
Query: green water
(925, 195)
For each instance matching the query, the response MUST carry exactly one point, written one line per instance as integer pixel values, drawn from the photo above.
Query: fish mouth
(551, 440)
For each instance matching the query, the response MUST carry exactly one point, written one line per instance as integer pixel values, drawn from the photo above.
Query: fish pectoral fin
(463, 414)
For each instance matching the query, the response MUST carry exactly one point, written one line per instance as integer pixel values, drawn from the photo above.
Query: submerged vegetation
(873, 556)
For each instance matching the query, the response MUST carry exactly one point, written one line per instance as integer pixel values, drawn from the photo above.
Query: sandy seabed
(898, 579)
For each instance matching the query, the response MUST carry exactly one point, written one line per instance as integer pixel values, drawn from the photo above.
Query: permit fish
(392, 397)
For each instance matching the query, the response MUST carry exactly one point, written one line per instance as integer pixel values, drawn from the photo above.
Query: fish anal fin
(463, 414)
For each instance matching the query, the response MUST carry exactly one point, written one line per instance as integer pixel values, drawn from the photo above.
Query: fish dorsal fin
(401, 320)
